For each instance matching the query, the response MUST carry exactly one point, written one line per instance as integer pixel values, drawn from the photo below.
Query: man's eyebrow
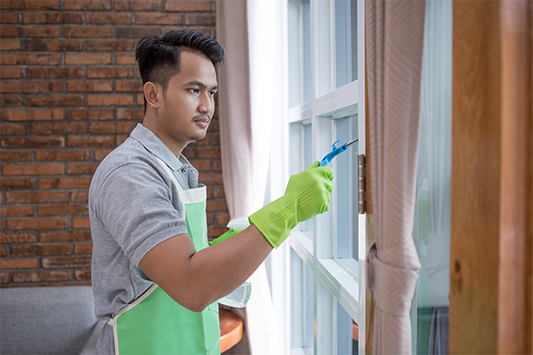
(202, 85)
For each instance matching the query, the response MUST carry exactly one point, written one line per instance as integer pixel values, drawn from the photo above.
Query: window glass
(299, 14)
(308, 310)
(345, 42)
(346, 175)
(347, 334)
(307, 226)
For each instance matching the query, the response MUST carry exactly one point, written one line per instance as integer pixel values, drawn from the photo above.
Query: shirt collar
(155, 146)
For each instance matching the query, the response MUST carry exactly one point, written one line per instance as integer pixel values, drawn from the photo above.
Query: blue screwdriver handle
(336, 151)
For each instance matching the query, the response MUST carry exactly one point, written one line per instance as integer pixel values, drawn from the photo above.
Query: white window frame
(332, 280)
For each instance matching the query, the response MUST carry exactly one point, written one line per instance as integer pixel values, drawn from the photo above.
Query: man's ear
(152, 94)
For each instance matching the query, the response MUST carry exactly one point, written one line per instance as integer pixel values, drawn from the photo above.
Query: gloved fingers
(314, 165)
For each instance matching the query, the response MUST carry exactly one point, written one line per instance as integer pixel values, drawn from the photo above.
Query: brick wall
(71, 92)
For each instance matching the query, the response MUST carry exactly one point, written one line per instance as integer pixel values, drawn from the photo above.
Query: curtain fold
(394, 43)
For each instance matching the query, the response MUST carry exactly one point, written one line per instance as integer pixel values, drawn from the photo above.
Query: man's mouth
(202, 121)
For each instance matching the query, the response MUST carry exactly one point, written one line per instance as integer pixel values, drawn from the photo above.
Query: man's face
(188, 101)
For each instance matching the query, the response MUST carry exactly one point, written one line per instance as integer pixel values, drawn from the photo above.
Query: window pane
(308, 311)
(299, 25)
(346, 174)
(308, 161)
(345, 42)
(347, 333)
(431, 230)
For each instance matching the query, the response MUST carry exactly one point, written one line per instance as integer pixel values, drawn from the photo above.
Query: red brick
(121, 138)
(10, 72)
(185, 6)
(87, 5)
(210, 179)
(91, 141)
(214, 232)
(54, 45)
(66, 262)
(100, 154)
(41, 276)
(200, 19)
(18, 211)
(40, 250)
(214, 205)
(4, 277)
(81, 223)
(29, 59)
(62, 155)
(37, 223)
(36, 197)
(85, 248)
(110, 45)
(29, 31)
(79, 196)
(109, 73)
(29, 5)
(10, 45)
(17, 156)
(32, 115)
(87, 31)
(9, 17)
(26, 87)
(90, 114)
(98, 58)
(17, 238)
(11, 264)
(125, 59)
(90, 86)
(11, 100)
(110, 100)
(63, 183)
(54, 73)
(82, 275)
(10, 184)
(81, 169)
(218, 165)
(138, 5)
(56, 100)
(140, 100)
(220, 193)
(222, 218)
(137, 31)
(52, 17)
(65, 236)
(37, 169)
(130, 85)
(113, 18)
(130, 113)
(3, 252)
(205, 153)
(12, 129)
(158, 18)
(58, 128)
(33, 142)
(62, 210)
(111, 127)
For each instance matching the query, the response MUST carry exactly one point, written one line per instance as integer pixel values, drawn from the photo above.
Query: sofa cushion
(45, 320)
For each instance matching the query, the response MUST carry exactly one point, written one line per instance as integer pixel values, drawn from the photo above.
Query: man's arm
(197, 279)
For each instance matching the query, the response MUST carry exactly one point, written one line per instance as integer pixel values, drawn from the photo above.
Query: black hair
(159, 57)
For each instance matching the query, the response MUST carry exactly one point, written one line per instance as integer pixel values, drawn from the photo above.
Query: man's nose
(206, 103)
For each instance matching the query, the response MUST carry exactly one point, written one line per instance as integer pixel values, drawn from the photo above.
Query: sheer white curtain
(254, 35)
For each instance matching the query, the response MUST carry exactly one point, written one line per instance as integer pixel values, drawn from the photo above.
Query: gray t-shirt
(133, 206)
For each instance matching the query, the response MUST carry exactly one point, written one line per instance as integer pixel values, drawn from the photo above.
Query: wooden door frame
(492, 145)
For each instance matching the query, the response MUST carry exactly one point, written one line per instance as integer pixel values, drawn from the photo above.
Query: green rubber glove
(308, 194)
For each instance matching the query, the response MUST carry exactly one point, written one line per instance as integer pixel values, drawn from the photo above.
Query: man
(155, 280)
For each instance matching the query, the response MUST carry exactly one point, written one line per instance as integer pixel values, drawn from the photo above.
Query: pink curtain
(394, 43)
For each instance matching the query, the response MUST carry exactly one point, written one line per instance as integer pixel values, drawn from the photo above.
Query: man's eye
(194, 91)
(212, 93)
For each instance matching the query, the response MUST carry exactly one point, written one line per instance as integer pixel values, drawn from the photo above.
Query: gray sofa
(48, 320)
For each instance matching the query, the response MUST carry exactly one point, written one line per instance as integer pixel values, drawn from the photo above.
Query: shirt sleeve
(140, 208)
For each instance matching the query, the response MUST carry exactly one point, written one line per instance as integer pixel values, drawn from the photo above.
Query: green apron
(155, 323)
